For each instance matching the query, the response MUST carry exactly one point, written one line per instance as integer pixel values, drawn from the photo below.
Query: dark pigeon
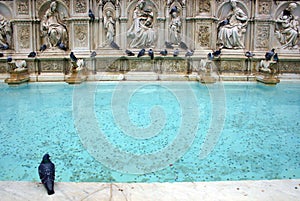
(4, 47)
(62, 46)
(129, 53)
(91, 15)
(210, 56)
(9, 59)
(270, 54)
(176, 53)
(32, 54)
(217, 53)
(174, 9)
(1, 54)
(47, 174)
(141, 52)
(43, 48)
(223, 23)
(169, 45)
(114, 45)
(275, 57)
(249, 54)
(151, 53)
(182, 45)
(73, 57)
(163, 52)
(189, 53)
(93, 54)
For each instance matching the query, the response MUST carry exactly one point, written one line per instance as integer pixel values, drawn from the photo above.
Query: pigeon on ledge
(46, 172)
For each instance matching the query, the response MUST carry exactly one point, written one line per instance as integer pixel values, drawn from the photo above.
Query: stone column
(117, 31)
(123, 35)
(100, 26)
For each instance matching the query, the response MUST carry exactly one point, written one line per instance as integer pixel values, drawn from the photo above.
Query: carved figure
(175, 27)
(5, 33)
(232, 29)
(289, 30)
(141, 31)
(53, 28)
(109, 25)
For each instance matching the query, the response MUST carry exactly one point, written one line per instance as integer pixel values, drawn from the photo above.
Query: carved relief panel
(203, 35)
(264, 7)
(23, 36)
(22, 7)
(262, 36)
(81, 35)
(204, 6)
(80, 6)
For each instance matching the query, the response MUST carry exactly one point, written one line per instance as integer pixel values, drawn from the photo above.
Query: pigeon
(182, 45)
(32, 54)
(270, 54)
(275, 57)
(176, 53)
(210, 56)
(151, 54)
(93, 54)
(47, 174)
(1, 54)
(224, 22)
(4, 47)
(169, 45)
(91, 15)
(114, 45)
(249, 54)
(129, 53)
(141, 52)
(216, 53)
(62, 46)
(9, 59)
(73, 57)
(174, 9)
(43, 48)
(189, 53)
(163, 52)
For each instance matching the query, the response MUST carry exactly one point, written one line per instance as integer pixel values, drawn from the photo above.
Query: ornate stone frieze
(52, 66)
(80, 6)
(264, 7)
(39, 3)
(231, 66)
(81, 35)
(3, 67)
(23, 36)
(289, 67)
(262, 36)
(22, 7)
(203, 35)
(204, 6)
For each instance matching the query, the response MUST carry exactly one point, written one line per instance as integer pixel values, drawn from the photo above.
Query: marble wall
(27, 25)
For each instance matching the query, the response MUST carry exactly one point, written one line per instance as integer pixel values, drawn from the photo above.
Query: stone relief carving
(232, 29)
(175, 26)
(203, 35)
(41, 2)
(80, 6)
(109, 26)
(5, 33)
(22, 7)
(262, 33)
(264, 7)
(24, 36)
(54, 28)
(81, 33)
(141, 31)
(182, 2)
(288, 28)
(204, 6)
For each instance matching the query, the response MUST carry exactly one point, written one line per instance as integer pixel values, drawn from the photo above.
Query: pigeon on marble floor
(73, 57)
(46, 172)
(141, 52)
(176, 53)
(32, 54)
(114, 45)
(93, 54)
(43, 48)
(182, 45)
(163, 52)
(249, 54)
(151, 54)
(91, 15)
(129, 53)
(189, 53)
(62, 46)
(269, 54)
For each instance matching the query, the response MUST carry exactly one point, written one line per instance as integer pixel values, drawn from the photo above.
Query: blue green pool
(259, 134)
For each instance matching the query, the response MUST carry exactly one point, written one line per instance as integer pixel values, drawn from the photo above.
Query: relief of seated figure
(53, 28)
(288, 30)
(141, 31)
(5, 33)
(232, 29)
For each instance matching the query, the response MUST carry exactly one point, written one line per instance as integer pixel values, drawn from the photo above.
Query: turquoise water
(260, 137)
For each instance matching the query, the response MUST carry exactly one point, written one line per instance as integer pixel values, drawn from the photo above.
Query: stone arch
(5, 11)
(225, 7)
(283, 6)
(132, 5)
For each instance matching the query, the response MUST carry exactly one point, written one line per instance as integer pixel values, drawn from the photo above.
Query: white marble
(266, 190)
